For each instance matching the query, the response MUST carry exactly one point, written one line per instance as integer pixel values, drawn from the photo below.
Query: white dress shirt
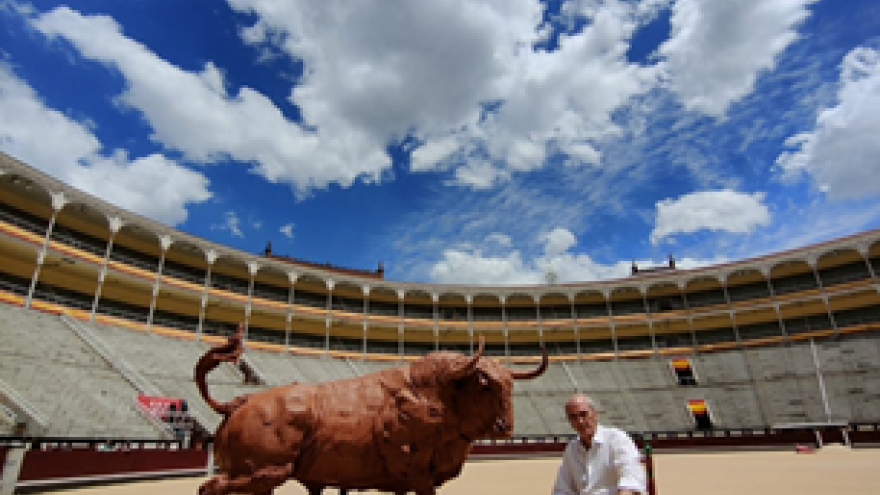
(612, 462)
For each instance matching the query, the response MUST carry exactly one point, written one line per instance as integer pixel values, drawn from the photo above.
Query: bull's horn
(467, 368)
(528, 375)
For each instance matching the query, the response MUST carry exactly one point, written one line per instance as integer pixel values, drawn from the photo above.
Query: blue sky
(460, 141)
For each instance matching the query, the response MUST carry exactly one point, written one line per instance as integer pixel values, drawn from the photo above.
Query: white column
(210, 259)
(401, 294)
(253, 268)
(766, 272)
(58, 202)
(574, 324)
(435, 300)
(821, 380)
(730, 312)
(291, 303)
(537, 299)
(11, 469)
(366, 291)
(469, 299)
(812, 261)
(165, 242)
(607, 294)
(643, 290)
(114, 223)
(682, 287)
(328, 320)
(504, 331)
(865, 250)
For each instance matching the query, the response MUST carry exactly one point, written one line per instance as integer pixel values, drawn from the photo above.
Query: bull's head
(480, 392)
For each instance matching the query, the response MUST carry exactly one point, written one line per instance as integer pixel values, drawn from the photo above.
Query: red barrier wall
(76, 463)
(777, 439)
(862, 437)
(518, 448)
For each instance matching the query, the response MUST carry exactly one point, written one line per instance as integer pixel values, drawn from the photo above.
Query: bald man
(602, 460)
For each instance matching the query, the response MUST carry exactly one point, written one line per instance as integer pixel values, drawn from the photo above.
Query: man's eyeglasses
(578, 415)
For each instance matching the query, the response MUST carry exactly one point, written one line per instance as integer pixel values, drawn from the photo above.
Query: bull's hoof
(210, 487)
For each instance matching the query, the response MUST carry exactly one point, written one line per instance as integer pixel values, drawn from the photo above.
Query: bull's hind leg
(260, 482)
(314, 490)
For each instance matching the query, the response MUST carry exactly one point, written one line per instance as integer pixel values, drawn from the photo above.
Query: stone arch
(452, 329)
(793, 275)
(185, 260)
(844, 265)
(419, 316)
(664, 297)
(874, 248)
(74, 270)
(590, 305)
(230, 273)
(345, 330)
(30, 199)
(271, 285)
(138, 247)
(83, 226)
(626, 302)
(384, 319)
(555, 305)
(746, 286)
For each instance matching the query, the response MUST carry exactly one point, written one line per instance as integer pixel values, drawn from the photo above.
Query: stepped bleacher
(851, 371)
(81, 393)
(7, 421)
(526, 419)
(66, 381)
(646, 373)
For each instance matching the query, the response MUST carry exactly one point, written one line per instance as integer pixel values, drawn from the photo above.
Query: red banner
(158, 406)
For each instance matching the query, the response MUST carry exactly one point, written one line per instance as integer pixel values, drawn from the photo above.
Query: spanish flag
(698, 407)
(681, 364)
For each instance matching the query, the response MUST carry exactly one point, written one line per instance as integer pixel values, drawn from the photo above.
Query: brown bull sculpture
(398, 430)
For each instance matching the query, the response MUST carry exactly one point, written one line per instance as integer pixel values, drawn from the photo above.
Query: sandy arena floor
(834, 470)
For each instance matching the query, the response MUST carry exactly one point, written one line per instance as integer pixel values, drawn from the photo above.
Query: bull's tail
(224, 353)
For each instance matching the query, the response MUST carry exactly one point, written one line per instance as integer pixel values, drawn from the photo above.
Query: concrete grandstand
(102, 305)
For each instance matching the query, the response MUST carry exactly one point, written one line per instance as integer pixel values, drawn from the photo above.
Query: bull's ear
(468, 367)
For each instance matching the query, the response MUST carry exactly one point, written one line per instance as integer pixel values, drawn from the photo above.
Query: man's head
(582, 416)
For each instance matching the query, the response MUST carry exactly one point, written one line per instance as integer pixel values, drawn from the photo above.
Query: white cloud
(433, 153)
(391, 69)
(195, 113)
(841, 152)
(231, 223)
(557, 241)
(479, 174)
(725, 210)
(469, 265)
(152, 185)
(287, 230)
(717, 49)
(502, 240)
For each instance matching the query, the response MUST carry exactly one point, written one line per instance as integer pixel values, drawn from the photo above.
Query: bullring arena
(724, 372)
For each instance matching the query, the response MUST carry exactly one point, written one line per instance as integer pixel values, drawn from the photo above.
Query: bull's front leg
(429, 490)
(260, 482)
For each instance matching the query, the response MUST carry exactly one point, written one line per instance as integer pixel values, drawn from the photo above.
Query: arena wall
(789, 338)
